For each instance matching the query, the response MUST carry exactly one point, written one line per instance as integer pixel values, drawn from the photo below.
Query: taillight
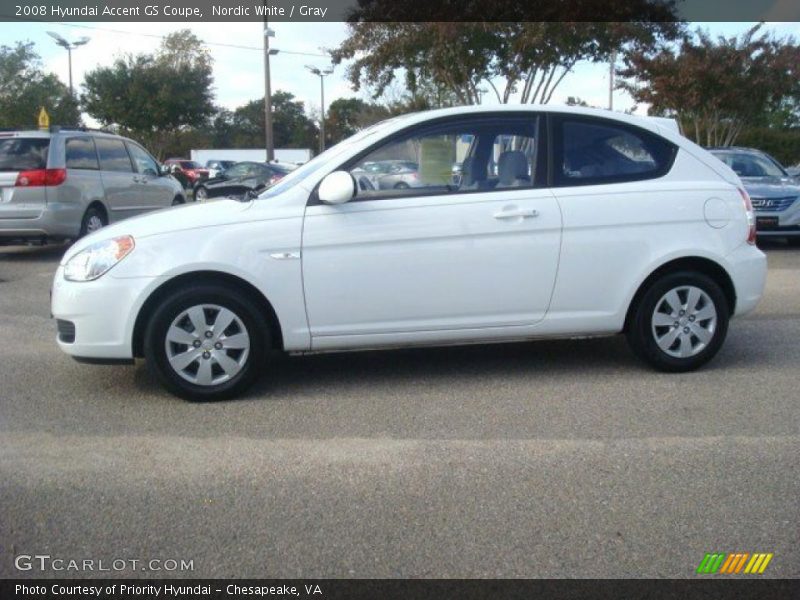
(751, 216)
(41, 177)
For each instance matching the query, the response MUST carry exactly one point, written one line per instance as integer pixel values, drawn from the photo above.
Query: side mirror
(337, 188)
(163, 170)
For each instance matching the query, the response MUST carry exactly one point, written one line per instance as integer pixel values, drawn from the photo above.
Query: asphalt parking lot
(546, 459)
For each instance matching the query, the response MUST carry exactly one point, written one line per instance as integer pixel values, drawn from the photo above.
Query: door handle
(517, 213)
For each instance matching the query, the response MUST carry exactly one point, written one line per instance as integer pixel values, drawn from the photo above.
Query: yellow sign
(44, 119)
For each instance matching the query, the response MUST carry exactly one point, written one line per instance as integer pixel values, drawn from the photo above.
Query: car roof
(641, 121)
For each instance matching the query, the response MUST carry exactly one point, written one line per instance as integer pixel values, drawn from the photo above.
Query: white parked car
(565, 222)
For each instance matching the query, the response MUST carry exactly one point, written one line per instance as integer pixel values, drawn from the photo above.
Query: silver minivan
(64, 183)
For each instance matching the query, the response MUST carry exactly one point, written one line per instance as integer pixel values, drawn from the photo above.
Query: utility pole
(611, 80)
(321, 74)
(268, 33)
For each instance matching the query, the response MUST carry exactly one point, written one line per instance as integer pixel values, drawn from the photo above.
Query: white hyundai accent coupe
(508, 223)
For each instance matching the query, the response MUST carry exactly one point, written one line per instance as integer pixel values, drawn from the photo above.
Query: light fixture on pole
(70, 46)
(268, 33)
(321, 74)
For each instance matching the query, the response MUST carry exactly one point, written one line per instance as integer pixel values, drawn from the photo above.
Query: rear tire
(206, 342)
(177, 201)
(93, 219)
(680, 322)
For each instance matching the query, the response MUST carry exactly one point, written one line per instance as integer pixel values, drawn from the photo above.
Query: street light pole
(70, 46)
(268, 33)
(321, 74)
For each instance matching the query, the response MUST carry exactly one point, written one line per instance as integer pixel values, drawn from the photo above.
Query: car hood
(771, 187)
(176, 218)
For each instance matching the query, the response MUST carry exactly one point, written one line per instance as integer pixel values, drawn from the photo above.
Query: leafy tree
(291, 127)
(529, 58)
(154, 97)
(717, 87)
(25, 88)
(346, 116)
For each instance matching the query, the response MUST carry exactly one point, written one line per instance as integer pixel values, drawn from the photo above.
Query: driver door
(154, 191)
(437, 262)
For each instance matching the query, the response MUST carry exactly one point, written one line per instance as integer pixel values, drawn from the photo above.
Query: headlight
(91, 263)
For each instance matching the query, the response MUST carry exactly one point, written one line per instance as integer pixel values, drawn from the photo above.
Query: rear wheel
(93, 219)
(680, 322)
(177, 200)
(206, 342)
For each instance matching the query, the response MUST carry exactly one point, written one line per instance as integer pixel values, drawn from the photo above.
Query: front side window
(239, 170)
(113, 156)
(594, 151)
(143, 161)
(80, 153)
(478, 154)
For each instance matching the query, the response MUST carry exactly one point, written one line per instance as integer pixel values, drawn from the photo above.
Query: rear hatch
(23, 159)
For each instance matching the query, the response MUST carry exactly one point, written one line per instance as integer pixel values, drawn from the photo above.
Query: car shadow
(46, 253)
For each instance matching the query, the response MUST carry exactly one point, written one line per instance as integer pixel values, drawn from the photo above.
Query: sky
(239, 71)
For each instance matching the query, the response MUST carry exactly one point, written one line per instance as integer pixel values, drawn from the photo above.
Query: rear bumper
(747, 266)
(57, 220)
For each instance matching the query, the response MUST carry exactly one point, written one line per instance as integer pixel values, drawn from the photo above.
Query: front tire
(200, 194)
(680, 322)
(206, 342)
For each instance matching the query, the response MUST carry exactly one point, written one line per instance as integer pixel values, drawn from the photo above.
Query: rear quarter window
(81, 154)
(22, 154)
(594, 151)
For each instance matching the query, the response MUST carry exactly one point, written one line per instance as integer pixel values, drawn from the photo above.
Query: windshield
(747, 164)
(20, 154)
(319, 161)
(190, 164)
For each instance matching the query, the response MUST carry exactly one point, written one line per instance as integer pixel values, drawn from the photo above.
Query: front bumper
(103, 313)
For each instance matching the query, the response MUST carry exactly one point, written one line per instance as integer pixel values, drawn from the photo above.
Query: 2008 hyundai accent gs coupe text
(560, 222)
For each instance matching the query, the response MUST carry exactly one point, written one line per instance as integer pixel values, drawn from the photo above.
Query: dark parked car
(215, 167)
(188, 172)
(775, 194)
(241, 179)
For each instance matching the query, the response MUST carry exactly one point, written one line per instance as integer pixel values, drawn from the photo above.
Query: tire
(93, 219)
(170, 341)
(200, 194)
(401, 186)
(793, 241)
(696, 339)
(177, 201)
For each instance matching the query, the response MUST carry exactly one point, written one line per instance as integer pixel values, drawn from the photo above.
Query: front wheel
(206, 342)
(200, 194)
(680, 322)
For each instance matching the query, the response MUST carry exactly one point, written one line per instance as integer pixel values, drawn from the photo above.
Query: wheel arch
(216, 277)
(697, 264)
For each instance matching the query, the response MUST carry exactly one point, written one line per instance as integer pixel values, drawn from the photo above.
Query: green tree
(154, 97)
(25, 88)
(291, 127)
(527, 59)
(717, 87)
(346, 116)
